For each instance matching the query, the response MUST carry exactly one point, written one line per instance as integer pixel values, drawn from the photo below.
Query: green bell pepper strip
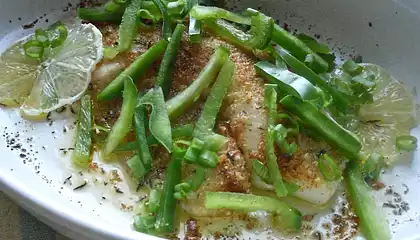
(134, 71)
(123, 124)
(178, 132)
(165, 217)
(301, 69)
(373, 223)
(128, 26)
(205, 124)
(82, 153)
(164, 77)
(327, 128)
(141, 140)
(159, 124)
(137, 168)
(178, 104)
(166, 26)
(203, 12)
(258, 37)
(287, 81)
(101, 14)
(285, 216)
(270, 102)
(298, 48)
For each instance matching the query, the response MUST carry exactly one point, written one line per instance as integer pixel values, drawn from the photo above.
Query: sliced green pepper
(165, 217)
(183, 100)
(287, 81)
(372, 221)
(83, 145)
(164, 78)
(123, 124)
(300, 68)
(134, 71)
(101, 14)
(270, 102)
(128, 26)
(184, 131)
(159, 124)
(203, 12)
(299, 49)
(327, 128)
(141, 139)
(258, 37)
(284, 216)
(207, 120)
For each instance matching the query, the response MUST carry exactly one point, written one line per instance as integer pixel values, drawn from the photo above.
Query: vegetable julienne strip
(298, 48)
(142, 147)
(203, 12)
(101, 14)
(287, 81)
(159, 124)
(207, 120)
(128, 26)
(165, 217)
(270, 102)
(258, 37)
(81, 155)
(287, 217)
(372, 220)
(123, 125)
(135, 70)
(180, 102)
(331, 131)
(304, 71)
(164, 77)
(178, 132)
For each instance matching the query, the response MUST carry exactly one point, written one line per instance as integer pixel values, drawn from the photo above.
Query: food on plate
(220, 115)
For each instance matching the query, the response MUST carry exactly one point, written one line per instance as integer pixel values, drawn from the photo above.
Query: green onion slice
(57, 34)
(34, 49)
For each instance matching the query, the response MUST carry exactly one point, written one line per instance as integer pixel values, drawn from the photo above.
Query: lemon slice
(17, 75)
(391, 114)
(66, 75)
(392, 103)
(61, 79)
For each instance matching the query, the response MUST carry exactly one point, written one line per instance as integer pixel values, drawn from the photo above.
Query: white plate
(385, 32)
